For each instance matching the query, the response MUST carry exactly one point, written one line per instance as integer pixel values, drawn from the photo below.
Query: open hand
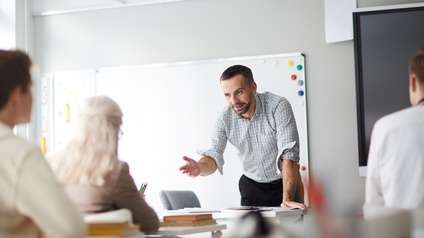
(191, 167)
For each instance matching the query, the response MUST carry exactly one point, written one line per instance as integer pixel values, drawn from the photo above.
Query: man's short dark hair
(14, 71)
(236, 70)
(416, 65)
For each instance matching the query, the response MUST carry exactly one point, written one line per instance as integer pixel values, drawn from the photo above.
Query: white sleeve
(40, 197)
(373, 190)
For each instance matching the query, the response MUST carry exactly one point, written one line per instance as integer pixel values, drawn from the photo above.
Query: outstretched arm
(290, 177)
(205, 166)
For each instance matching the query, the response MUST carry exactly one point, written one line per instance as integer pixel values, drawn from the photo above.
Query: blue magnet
(300, 93)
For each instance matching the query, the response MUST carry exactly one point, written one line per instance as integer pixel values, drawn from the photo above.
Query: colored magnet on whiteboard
(303, 167)
(300, 92)
(290, 63)
(43, 145)
(300, 82)
(293, 77)
(67, 112)
(299, 67)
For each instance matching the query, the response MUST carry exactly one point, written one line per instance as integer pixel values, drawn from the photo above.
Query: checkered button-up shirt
(260, 142)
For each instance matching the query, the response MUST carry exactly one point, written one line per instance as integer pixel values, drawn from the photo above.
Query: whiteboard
(62, 94)
(169, 110)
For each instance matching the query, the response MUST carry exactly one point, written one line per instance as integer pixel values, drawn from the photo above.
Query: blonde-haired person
(90, 171)
(33, 204)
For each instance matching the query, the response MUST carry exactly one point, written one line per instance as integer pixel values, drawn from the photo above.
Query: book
(96, 225)
(121, 229)
(188, 217)
(188, 223)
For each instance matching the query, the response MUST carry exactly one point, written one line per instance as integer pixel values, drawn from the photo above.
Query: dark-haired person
(263, 129)
(33, 204)
(395, 171)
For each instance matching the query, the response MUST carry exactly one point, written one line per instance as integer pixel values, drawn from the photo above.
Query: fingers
(189, 173)
(189, 168)
(292, 204)
(186, 171)
(187, 159)
(185, 167)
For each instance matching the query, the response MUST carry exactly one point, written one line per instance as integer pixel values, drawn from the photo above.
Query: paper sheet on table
(199, 210)
(254, 208)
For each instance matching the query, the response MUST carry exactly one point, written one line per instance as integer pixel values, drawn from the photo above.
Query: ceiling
(41, 7)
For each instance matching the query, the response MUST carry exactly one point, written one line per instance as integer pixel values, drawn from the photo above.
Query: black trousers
(260, 194)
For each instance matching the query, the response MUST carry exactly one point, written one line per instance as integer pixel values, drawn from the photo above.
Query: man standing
(263, 129)
(33, 204)
(395, 171)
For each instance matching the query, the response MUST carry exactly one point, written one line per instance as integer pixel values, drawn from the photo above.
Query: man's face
(25, 105)
(238, 94)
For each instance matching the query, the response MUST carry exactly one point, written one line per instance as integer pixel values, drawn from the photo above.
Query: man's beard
(244, 110)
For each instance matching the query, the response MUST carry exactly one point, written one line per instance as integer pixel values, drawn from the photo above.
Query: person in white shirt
(33, 204)
(395, 173)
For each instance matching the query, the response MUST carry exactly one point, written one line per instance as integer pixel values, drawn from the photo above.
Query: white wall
(7, 24)
(204, 29)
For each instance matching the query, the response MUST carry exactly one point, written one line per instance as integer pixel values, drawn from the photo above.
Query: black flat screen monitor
(385, 39)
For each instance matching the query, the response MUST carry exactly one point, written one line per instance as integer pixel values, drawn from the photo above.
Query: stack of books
(119, 229)
(192, 219)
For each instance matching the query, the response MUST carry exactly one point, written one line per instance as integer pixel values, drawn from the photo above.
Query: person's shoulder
(401, 118)
(403, 113)
(119, 172)
(269, 99)
(225, 112)
(7, 136)
(119, 168)
(17, 152)
(120, 164)
(18, 145)
(122, 169)
(271, 96)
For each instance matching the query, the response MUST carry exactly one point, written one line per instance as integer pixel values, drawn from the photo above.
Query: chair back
(178, 199)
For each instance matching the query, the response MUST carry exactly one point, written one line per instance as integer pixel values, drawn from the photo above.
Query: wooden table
(215, 230)
(227, 219)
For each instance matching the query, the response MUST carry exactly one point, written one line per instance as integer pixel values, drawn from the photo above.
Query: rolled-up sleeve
(287, 134)
(218, 145)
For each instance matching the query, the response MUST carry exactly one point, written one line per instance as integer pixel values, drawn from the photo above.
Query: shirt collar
(258, 108)
(5, 129)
